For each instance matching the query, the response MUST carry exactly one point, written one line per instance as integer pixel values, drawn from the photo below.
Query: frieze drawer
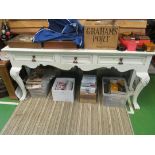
(121, 60)
(34, 58)
(76, 59)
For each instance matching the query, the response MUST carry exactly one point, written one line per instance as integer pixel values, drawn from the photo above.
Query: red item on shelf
(131, 43)
(143, 39)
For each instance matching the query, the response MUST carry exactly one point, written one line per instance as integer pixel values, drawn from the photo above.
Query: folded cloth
(61, 29)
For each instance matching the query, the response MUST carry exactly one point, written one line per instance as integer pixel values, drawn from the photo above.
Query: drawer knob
(33, 58)
(120, 61)
(75, 60)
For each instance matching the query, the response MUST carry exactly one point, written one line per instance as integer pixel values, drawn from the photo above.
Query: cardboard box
(100, 34)
(88, 98)
(88, 89)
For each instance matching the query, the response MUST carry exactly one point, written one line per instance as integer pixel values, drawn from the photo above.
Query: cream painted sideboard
(86, 60)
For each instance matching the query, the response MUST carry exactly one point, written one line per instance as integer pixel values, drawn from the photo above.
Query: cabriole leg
(14, 72)
(144, 80)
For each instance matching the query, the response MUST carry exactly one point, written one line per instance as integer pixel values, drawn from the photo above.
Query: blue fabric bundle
(61, 29)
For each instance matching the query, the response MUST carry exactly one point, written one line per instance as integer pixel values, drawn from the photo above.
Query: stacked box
(25, 41)
(38, 84)
(63, 89)
(100, 34)
(132, 26)
(115, 91)
(3, 91)
(88, 89)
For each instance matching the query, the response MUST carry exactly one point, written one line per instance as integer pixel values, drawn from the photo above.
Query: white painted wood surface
(85, 59)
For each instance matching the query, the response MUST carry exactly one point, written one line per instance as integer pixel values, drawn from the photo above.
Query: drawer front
(33, 58)
(121, 60)
(78, 59)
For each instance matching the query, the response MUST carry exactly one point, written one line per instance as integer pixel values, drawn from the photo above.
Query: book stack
(88, 89)
(3, 91)
(39, 83)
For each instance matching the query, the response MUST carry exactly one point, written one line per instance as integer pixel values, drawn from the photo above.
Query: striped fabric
(42, 116)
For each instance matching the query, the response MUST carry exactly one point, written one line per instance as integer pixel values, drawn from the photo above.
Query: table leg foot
(131, 110)
(136, 105)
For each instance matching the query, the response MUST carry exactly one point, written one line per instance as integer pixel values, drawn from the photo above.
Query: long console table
(86, 60)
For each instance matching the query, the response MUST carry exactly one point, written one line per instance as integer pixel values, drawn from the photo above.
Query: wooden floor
(41, 116)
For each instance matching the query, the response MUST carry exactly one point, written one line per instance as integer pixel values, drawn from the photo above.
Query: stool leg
(14, 72)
